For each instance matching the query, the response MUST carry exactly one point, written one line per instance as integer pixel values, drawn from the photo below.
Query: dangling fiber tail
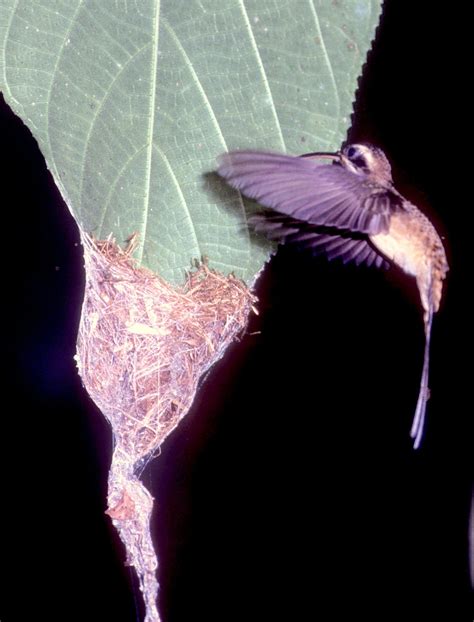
(419, 418)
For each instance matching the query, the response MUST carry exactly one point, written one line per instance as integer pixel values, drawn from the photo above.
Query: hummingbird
(345, 205)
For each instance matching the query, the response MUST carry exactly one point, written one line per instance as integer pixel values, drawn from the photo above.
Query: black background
(291, 491)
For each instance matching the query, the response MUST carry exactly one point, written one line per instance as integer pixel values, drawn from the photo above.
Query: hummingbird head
(366, 160)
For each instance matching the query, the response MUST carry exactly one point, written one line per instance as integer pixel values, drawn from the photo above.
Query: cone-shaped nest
(143, 344)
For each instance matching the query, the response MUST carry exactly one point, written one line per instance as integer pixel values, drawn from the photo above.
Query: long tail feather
(419, 418)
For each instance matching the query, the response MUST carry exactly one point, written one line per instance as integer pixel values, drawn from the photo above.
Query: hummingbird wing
(310, 190)
(320, 240)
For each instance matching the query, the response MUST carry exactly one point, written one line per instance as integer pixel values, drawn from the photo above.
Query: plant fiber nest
(142, 347)
(143, 344)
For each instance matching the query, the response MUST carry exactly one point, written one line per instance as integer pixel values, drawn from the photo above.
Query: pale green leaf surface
(131, 102)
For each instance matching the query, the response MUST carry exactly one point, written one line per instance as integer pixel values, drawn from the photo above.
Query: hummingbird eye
(351, 152)
(357, 157)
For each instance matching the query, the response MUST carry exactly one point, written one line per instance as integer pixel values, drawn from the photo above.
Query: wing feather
(330, 242)
(311, 190)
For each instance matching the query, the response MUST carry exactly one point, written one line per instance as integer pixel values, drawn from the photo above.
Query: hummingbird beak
(321, 154)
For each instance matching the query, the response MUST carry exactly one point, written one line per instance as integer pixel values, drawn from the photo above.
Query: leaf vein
(328, 63)
(151, 128)
(262, 71)
(181, 198)
(206, 101)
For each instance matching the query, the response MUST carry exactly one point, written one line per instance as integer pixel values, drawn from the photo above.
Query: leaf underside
(131, 103)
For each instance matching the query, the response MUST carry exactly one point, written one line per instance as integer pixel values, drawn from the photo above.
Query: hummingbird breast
(413, 244)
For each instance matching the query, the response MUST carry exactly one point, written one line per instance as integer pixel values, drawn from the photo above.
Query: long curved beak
(321, 154)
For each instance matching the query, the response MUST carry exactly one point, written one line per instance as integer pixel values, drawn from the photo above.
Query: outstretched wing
(349, 247)
(310, 190)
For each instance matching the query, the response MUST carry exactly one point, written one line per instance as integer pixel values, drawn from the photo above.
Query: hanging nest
(142, 347)
(143, 344)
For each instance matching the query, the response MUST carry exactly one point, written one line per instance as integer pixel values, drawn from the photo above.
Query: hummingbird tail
(419, 419)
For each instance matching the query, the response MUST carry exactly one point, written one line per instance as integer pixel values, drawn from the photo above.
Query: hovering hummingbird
(345, 205)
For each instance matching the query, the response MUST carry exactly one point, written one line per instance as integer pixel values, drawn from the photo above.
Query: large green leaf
(131, 102)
